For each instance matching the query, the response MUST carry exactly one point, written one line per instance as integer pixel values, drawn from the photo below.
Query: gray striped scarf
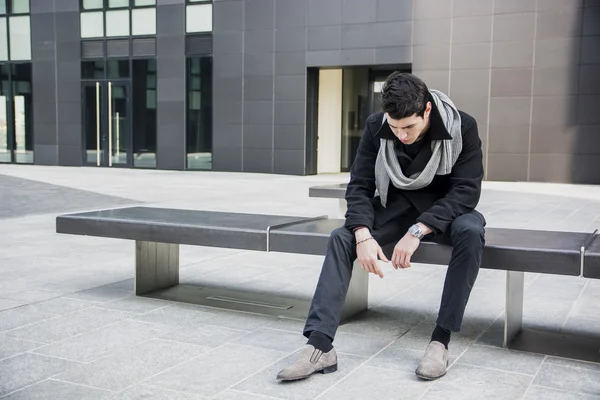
(444, 154)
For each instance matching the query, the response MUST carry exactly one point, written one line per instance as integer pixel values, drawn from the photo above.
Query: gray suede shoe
(435, 362)
(309, 361)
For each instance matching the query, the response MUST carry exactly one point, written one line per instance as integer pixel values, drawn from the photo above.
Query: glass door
(107, 123)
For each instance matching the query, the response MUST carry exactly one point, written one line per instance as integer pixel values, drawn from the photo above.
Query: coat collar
(437, 130)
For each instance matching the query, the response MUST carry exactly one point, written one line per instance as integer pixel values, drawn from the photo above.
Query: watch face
(415, 230)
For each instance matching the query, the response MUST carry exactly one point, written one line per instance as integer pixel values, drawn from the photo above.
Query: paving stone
(265, 383)
(502, 359)
(232, 394)
(118, 371)
(10, 346)
(92, 345)
(64, 326)
(8, 304)
(544, 393)
(235, 363)
(276, 340)
(60, 306)
(397, 358)
(100, 294)
(464, 382)
(26, 369)
(138, 305)
(568, 378)
(395, 385)
(147, 392)
(177, 315)
(203, 334)
(53, 389)
(16, 317)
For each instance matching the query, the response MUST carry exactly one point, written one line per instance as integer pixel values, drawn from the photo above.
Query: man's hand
(404, 250)
(368, 251)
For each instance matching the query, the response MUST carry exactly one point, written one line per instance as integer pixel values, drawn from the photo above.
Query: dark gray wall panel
(171, 89)
(258, 136)
(290, 14)
(289, 137)
(289, 162)
(45, 154)
(324, 12)
(290, 39)
(258, 160)
(70, 155)
(64, 5)
(42, 6)
(228, 158)
(227, 135)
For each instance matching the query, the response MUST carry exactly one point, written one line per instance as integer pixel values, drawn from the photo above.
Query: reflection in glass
(199, 18)
(119, 120)
(91, 123)
(139, 3)
(199, 113)
(144, 21)
(92, 24)
(2, 6)
(93, 4)
(20, 38)
(3, 40)
(4, 146)
(117, 69)
(20, 6)
(23, 113)
(354, 108)
(117, 23)
(118, 3)
(144, 113)
(92, 70)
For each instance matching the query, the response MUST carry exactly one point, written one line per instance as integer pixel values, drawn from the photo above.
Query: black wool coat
(436, 205)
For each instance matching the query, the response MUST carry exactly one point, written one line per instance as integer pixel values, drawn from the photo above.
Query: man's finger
(395, 260)
(405, 261)
(378, 270)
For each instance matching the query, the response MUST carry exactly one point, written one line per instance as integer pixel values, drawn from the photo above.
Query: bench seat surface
(201, 228)
(506, 249)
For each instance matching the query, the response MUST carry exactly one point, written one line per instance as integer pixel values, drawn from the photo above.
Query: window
(198, 18)
(117, 18)
(144, 113)
(15, 30)
(16, 113)
(199, 113)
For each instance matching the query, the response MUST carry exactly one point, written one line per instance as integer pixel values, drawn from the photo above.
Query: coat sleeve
(361, 188)
(465, 184)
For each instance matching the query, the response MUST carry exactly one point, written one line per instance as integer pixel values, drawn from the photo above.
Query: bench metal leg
(357, 298)
(156, 266)
(513, 314)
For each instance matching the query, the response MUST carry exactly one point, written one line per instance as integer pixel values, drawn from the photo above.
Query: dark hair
(403, 95)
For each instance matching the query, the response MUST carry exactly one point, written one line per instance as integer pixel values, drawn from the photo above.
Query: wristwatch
(416, 231)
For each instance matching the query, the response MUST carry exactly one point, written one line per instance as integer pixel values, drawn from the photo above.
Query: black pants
(466, 235)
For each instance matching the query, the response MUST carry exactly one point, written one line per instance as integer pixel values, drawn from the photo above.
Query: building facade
(284, 86)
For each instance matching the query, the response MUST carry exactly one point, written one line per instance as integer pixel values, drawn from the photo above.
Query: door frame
(103, 155)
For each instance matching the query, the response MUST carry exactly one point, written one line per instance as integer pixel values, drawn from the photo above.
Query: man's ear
(428, 109)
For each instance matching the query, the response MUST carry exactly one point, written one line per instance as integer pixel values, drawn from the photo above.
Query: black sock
(441, 335)
(321, 341)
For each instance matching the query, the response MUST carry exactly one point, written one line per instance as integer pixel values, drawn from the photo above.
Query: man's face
(408, 130)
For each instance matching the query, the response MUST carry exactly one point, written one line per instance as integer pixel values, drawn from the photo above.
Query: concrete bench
(158, 232)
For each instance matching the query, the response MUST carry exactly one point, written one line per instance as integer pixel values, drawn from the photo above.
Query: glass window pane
(92, 24)
(23, 113)
(144, 21)
(20, 6)
(92, 70)
(20, 38)
(117, 69)
(117, 23)
(3, 40)
(93, 4)
(118, 3)
(139, 3)
(144, 114)
(199, 18)
(199, 1)
(4, 117)
(2, 6)
(199, 114)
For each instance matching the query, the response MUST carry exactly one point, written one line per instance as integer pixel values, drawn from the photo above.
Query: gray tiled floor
(71, 328)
